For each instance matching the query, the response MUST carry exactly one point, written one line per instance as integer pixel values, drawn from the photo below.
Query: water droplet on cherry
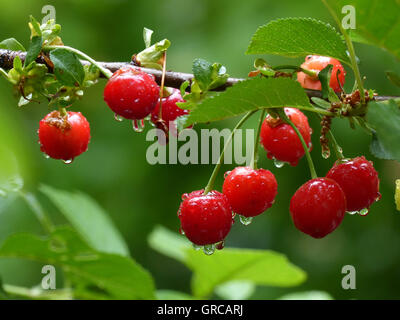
(326, 153)
(138, 125)
(196, 247)
(209, 249)
(278, 163)
(226, 174)
(246, 220)
(118, 118)
(220, 245)
(185, 196)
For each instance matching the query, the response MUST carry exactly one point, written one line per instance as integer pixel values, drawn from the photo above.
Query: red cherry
(131, 93)
(170, 111)
(318, 207)
(281, 141)
(359, 181)
(250, 192)
(64, 137)
(318, 63)
(205, 219)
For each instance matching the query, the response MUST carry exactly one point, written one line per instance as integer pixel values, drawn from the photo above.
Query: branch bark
(172, 79)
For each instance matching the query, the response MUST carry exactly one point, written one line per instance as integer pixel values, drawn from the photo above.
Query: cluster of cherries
(318, 206)
(130, 93)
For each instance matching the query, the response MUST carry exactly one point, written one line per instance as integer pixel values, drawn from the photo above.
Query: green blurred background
(139, 196)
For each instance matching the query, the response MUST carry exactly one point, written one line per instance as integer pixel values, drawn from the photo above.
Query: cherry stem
(210, 184)
(164, 70)
(336, 147)
(308, 156)
(351, 50)
(254, 159)
(107, 73)
(63, 111)
(3, 73)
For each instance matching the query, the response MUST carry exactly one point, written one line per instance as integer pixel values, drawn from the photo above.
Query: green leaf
(295, 37)
(6, 200)
(183, 87)
(208, 75)
(4, 74)
(89, 219)
(378, 150)
(171, 244)
(11, 181)
(172, 295)
(3, 294)
(147, 34)
(249, 95)
(150, 57)
(34, 25)
(384, 32)
(193, 99)
(118, 277)
(262, 267)
(11, 44)
(307, 295)
(262, 66)
(384, 118)
(324, 77)
(228, 268)
(235, 290)
(11, 184)
(17, 64)
(394, 78)
(202, 71)
(50, 33)
(180, 121)
(34, 49)
(321, 102)
(68, 68)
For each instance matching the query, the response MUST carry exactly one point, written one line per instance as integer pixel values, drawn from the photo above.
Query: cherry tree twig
(172, 79)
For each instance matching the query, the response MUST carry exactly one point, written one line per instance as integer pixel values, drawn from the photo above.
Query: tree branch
(172, 79)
